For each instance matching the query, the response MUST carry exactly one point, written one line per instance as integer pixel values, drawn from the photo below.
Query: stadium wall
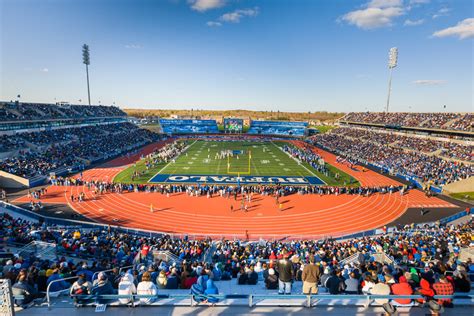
(466, 185)
(8, 180)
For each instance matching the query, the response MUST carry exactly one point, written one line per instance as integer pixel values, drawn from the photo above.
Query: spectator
(21, 288)
(402, 288)
(285, 274)
(57, 285)
(199, 288)
(310, 277)
(461, 282)
(162, 280)
(271, 282)
(172, 282)
(102, 286)
(146, 287)
(252, 278)
(352, 284)
(335, 284)
(382, 288)
(368, 284)
(211, 289)
(443, 287)
(126, 287)
(80, 287)
(425, 290)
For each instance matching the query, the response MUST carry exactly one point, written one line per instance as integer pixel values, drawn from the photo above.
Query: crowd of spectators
(306, 155)
(449, 121)
(451, 149)
(10, 143)
(15, 111)
(243, 192)
(425, 261)
(73, 147)
(413, 163)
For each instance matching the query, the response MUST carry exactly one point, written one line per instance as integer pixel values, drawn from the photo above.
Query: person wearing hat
(402, 288)
(285, 274)
(81, 287)
(126, 287)
(173, 280)
(8, 267)
(435, 307)
(102, 286)
(271, 282)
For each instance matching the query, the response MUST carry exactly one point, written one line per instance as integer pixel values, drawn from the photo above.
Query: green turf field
(256, 159)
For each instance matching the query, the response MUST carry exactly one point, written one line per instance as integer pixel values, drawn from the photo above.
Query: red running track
(302, 216)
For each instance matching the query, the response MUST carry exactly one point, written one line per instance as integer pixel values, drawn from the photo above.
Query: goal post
(239, 172)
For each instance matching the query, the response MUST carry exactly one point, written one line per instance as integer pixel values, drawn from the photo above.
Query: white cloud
(419, 1)
(134, 46)
(237, 15)
(441, 12)
(205, 5)
(385, 3)
(378, 13)
(44, 70)
(409, 22)
(214, 24)
(425, 82)
(464, 29)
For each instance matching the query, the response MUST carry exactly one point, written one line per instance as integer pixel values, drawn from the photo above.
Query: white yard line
(165, 166)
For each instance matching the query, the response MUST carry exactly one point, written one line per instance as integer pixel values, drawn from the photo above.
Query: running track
(302, 215)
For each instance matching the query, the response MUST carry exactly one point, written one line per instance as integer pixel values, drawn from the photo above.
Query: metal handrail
(48, 299)
(252, 297)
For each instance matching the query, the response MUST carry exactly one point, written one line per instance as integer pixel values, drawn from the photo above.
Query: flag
(250, 154)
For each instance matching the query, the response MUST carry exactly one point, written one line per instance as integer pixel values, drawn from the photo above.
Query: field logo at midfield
(209, 179)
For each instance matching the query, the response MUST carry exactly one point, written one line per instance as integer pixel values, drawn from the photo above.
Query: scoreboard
(232, 125)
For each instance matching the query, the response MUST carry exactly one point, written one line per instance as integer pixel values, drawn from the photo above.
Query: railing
(48, 293)
(252, 299)
(6, 298)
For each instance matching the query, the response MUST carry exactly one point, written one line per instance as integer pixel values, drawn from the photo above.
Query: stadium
(201, 211)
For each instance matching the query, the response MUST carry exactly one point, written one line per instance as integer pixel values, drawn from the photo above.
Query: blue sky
(287, 55)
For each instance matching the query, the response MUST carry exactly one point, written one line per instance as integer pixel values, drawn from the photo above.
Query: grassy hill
(266, 115)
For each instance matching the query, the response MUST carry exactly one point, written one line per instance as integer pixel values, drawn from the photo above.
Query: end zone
(218, 179)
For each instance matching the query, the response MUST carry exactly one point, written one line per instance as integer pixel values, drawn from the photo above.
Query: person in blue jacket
(57, 286)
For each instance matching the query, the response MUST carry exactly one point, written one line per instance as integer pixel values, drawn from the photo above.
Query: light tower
(87, 62)
(392, 63)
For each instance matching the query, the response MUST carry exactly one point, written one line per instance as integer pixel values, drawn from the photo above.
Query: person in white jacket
(146, 287)
(126, 287)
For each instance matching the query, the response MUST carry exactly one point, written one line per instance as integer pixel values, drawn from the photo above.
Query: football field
(232, 162)
(235, 162)
(247, 158)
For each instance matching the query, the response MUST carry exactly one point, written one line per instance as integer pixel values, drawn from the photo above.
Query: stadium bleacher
(15, 111)
(402, 155)
(70, 148)
(444, 121)
(278, 128)
(423, 261)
